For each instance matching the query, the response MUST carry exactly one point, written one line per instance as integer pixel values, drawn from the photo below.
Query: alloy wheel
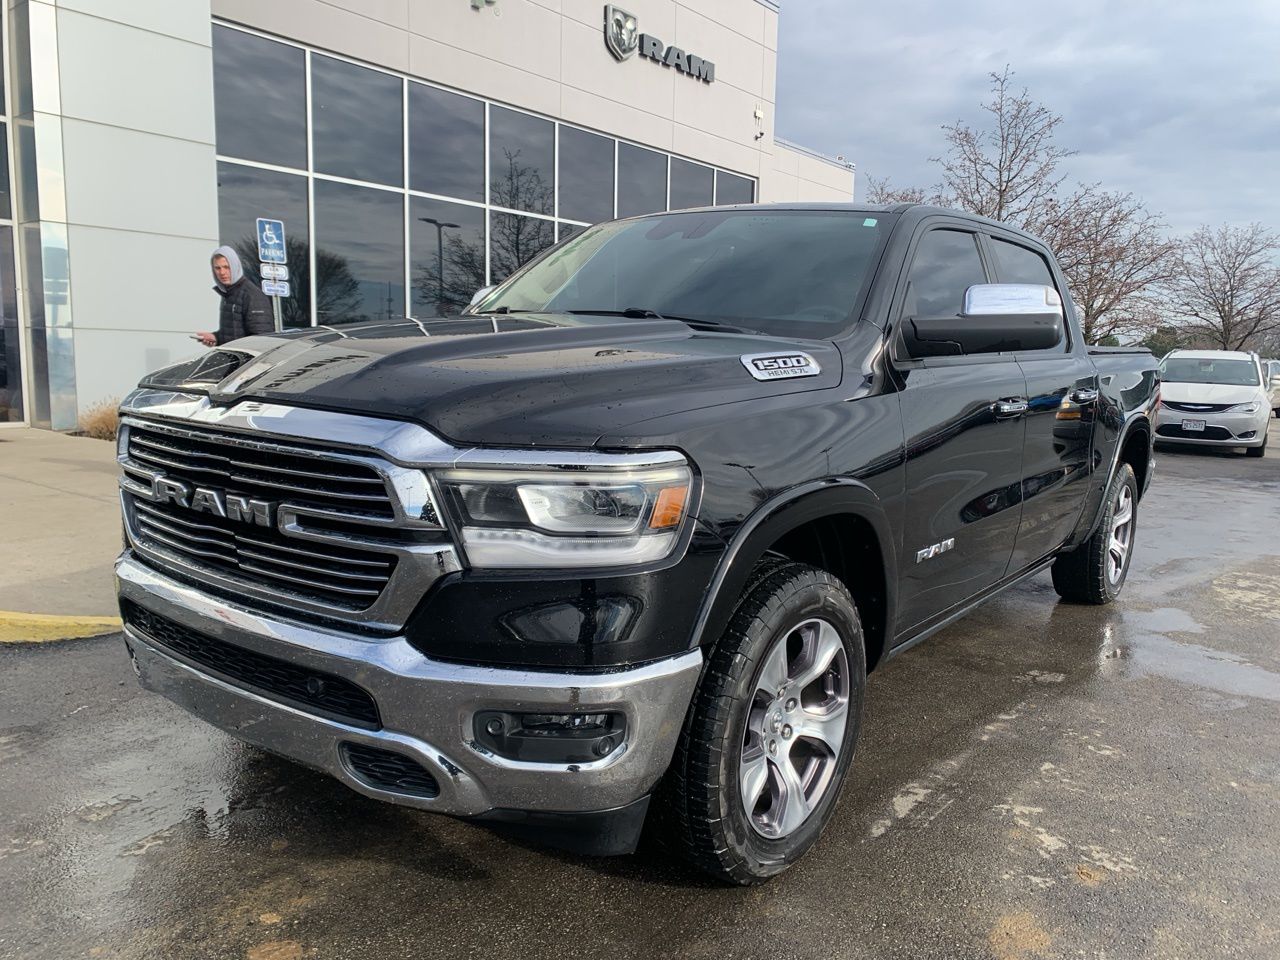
(1121, 534)
(795, 728)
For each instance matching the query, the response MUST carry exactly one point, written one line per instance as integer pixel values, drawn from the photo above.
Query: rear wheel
(1095, 571)
(772, 730)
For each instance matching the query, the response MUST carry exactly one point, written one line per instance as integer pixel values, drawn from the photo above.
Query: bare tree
(1009, 170)
(1114, 253)
(1226, 287)
(882, 191)
(337, 290)
(1111, 248)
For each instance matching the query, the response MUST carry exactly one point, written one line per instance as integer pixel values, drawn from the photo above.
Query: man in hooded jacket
(245, 309)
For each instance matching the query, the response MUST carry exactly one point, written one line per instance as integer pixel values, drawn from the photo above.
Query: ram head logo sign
(621, 34)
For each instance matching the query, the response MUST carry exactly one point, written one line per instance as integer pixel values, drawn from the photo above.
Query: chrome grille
(303, 477)
(310, 512)
(343, 576)
(1197, 407)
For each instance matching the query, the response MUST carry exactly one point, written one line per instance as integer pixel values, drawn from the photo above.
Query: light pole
(440, 228)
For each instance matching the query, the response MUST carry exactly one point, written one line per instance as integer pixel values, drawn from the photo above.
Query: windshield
(795, 274)
(1240, 373)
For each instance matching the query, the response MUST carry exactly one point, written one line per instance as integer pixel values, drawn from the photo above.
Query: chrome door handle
(1084, 395)
(1009, 408)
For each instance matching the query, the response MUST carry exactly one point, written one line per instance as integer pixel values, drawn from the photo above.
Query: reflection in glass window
(521, 161)
(6, 206)
(692, 184)
(586, 176)
(260, 99)
(356, 122)
(514, 241)
(946, 264)
(567, 230)
(446, 256)
(446, 143)
(246, 193)
(359, 253)
(642, 180)
(10, 367)
(1018, 264)
(731, 189)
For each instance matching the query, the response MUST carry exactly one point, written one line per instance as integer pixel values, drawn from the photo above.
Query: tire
(796, 627)
(1260, 451)
(1088, 574)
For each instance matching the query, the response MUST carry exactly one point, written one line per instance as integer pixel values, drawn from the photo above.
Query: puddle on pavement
(1138, 645)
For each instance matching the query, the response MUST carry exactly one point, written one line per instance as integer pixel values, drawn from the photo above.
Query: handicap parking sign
(271, 241)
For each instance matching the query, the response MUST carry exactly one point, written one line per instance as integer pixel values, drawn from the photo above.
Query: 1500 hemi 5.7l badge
(779, 366)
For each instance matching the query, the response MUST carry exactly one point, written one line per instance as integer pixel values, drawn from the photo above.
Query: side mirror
(480, 295)
(997, 318)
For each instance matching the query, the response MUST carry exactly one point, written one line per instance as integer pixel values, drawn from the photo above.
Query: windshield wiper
(644, 313)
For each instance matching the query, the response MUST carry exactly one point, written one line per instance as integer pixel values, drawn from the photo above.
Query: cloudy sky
(1177, 101)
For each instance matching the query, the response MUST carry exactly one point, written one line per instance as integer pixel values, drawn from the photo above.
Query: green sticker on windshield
(869, 222)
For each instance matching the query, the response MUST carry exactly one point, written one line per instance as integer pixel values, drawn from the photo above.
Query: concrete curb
(48, 628)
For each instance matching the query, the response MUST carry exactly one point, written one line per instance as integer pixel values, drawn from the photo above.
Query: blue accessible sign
(271, 241)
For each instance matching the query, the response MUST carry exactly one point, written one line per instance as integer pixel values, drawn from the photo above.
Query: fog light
(1247, 435)
(550, 737)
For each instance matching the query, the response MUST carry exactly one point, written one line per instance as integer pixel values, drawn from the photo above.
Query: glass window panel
(567, 230)
(359, 253)
(514, 241)
(521, 161)
(1017, 264)
(692, 184)
(246, 193)
(446, 250)
(356, 122)
(586, 176)
(731, 189)
(2, 69)
(642, 181)
(260, 98)
(10, 360)
(6, 205)
(946, 264)
(446, 143)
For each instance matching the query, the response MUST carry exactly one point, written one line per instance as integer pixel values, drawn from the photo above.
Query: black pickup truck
(637, 525)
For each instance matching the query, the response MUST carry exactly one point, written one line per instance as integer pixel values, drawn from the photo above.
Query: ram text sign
(623, 38)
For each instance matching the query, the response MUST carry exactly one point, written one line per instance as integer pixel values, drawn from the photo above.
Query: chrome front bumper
(427, 707)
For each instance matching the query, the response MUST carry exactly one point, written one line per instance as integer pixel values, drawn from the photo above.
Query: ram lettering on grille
(229, 506)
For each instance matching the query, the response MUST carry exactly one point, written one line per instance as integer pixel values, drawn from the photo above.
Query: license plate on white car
(1193, 426)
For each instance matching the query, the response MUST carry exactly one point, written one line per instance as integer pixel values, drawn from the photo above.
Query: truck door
(963, 429)
(1062, 392)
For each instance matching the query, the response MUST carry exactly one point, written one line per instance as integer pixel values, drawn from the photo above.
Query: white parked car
(1273, 384)
(1214, 397)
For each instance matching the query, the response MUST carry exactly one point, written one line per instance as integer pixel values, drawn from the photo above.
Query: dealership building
(412, 151)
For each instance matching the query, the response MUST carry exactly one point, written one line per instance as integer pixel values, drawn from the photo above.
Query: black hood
(523, 380)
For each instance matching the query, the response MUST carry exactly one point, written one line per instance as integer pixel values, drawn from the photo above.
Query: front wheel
(772, 730)
(1259, 451)
(1095, 571)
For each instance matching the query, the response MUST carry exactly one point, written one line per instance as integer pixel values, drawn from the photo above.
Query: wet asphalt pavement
(1039, 780)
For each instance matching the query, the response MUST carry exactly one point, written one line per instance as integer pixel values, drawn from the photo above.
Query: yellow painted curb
(43, 627)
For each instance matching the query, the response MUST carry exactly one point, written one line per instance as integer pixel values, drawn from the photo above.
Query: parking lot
(1039, 780)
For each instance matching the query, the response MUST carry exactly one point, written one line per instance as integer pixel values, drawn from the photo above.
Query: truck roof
(916, 210)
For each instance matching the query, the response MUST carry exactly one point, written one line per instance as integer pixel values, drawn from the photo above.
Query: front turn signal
(668, 508)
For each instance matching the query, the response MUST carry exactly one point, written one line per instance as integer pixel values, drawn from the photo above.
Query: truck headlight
(512, 518)
(1253, 406)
